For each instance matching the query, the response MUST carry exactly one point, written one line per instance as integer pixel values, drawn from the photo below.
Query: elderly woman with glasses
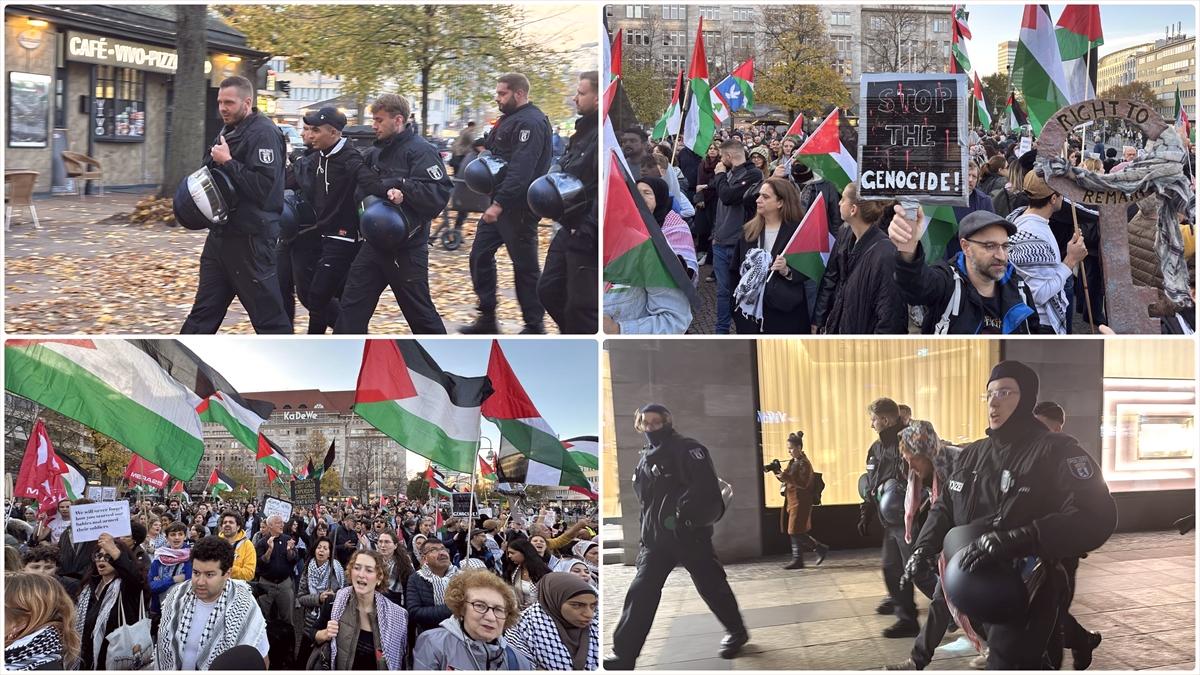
(482, 606)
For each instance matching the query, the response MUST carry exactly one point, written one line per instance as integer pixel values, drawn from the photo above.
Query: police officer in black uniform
(569, 282)
(522, 138)
(239, 257)
(885, 464)
(299, 244)
(680, 499)
(1043, 499)
(413, 176)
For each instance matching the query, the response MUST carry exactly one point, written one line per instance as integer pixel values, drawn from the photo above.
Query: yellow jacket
(244, 557)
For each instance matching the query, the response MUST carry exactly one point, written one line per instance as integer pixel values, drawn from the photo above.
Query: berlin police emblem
(266, 155)
(524, 135)
(1081, 467)
(435, 172)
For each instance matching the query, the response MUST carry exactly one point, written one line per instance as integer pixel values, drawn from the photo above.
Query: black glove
(992, 546)
(918, 565)
(864, 514)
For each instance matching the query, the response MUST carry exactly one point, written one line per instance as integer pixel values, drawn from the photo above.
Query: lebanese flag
(246, 427)
(520, 423)
(114, 388)
(807, 251)
(405, 394)
(824, 153)
(41, 475)
(143, 471)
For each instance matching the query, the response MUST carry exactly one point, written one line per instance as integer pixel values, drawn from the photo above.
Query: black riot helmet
(204, 199)
(550, 195)
(383, 224)
(891, 502)
(484, 173)
(992, 592)
(296, 214)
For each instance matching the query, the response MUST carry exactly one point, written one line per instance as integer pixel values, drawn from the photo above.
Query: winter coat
(865, 298)
(447, 647)
(423, 612)
(785, 303)
(796, 515)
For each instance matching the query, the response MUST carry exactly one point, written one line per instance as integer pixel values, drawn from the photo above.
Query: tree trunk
(425, 72)
(185, 144)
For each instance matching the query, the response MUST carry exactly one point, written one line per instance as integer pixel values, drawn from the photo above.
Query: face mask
(656, 438)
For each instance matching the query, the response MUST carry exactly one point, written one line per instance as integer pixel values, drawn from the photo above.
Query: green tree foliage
(417, 488)
(1135, 91)
(995, 94)
(796, 71)
(646, 92)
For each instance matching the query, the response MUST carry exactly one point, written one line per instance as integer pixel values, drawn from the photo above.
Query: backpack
(818, 486)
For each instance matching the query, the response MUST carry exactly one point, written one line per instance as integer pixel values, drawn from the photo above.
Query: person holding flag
(782, 304)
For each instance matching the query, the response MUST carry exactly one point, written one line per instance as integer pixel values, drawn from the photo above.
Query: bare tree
(896, 40)
(185, 147)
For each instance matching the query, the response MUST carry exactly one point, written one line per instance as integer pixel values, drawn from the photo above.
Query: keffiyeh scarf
(318, 575)
(391, 620)
(172, 556)
(439, 584)
(536, 636)
(236, 620)
(111, 595)
(35, 651)
(749, 292)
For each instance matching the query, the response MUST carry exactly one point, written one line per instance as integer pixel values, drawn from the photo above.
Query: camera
(773, 467)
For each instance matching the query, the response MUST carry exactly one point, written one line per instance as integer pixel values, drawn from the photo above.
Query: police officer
(239, 257)
(885, 464)
(411, 172)
(299, 244)
(680, 499)
(338, 173)
(522, 138)
(569, 282)
(1043, 498)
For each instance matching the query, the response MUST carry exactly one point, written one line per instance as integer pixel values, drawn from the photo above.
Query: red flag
(486, 469)
(177, 488)
(41, 471)
(797, 127)
(141, 470)
(615, 59)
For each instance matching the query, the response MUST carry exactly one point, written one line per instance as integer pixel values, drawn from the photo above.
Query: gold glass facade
(610, 497)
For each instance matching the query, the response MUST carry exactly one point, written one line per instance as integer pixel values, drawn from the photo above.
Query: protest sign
(461, 503)
(1025, 145)
(95, 493)
(89, 521)
(912, 138)
(306, 492)
(272, 506)
(110, 493)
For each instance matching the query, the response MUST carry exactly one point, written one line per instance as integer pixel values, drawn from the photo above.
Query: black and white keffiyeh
(318, 575)
(112, 594)
(1030, 252)
(393, 626)
(536, 636)
(35, 651)
(236, 620)
(749, 292)
(439, 583)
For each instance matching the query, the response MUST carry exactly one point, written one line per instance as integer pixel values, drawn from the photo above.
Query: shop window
(118, 104)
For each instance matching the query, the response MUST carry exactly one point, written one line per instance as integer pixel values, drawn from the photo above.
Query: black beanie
(1026, 379)
(655, 408)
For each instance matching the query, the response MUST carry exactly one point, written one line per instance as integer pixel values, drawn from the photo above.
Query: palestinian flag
(486, 471)
(1038, 67)
(635, 251)
(668, 124)
(403, 393)
(1182, 123)
(797, 127)
(615, 60)
(807, 251)
(1079, 36)
(824, 153)
(330, 454)
(547, 461)
(219, 482)
(114, 388)
(75, 479)
(981, 112)
(585, 450)
(178, 491)
(197, 376)
(699, 125)
(1015, 113)
(960, 33)
(937, 229)
(246, 427)
(437, 481)
(306, 472)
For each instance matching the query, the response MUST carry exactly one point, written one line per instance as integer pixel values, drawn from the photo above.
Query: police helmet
(484, 174)
(864, 487)
(204, 198)
(383, 224)
(550, 195)
(296, 214)
(891, 502)
(993, 592)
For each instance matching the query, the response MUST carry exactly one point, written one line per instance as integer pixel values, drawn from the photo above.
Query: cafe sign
(106, 51)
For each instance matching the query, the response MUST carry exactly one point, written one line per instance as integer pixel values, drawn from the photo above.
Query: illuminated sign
(107, 51)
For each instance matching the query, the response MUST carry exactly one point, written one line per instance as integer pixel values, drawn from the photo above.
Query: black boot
(796, 564)
(614, 662)
(485, 324)
(733, 643)
(534, 329)
(822, 551)
(1081, 657)
(886, 607)
(902, 629)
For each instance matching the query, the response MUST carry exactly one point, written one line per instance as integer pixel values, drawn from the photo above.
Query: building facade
(1169, 65)
(97, 79)
(1006, 52)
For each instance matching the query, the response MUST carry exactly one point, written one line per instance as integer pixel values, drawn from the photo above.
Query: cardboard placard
(272, 506)
(110, 493)
(95, 493)
(912, 137)
(460, 503)
(306, 492)
(89, 521)
(1025, 145)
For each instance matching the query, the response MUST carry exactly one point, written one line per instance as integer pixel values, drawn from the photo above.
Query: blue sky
(560, 375)
(1125, 25)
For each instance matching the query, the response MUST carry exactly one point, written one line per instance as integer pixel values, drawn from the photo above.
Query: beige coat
(796, 515)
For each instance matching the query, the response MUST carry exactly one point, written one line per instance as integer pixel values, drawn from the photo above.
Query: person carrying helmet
(396, 252)
(567, 288)
(1040, 498)
(680, 498)
(238, 260)
(299, 243)
(334, 175)
(521, 138)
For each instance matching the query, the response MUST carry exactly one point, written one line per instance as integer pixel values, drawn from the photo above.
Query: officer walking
(569, 281)
(299, 244)
(238, 259)
(411, 171)
(1044, 500)
(680, 499)
(521, 137)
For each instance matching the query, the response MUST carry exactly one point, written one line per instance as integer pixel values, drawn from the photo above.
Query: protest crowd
(387, 584)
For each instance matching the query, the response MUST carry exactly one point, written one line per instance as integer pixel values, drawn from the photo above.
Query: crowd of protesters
(1025, 258)
(345, 585)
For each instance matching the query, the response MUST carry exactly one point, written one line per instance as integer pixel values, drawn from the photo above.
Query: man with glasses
(1045, 502)
(978, 291)
(425, 596)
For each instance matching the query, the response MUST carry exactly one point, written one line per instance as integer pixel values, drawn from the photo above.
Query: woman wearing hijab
(589, 552)
(481, 607)
(577, 567)
(561, 632)
(657, 195)
(784, 301)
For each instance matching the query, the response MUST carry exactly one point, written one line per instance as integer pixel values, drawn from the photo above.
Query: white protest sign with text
(89, 521)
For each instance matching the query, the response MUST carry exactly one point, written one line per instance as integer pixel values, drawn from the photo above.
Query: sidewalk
(1138, 590)
(89, 269)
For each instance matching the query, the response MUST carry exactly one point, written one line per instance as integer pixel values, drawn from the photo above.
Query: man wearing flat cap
(976, 291)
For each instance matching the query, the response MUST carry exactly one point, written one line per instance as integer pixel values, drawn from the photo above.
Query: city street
(90, 269)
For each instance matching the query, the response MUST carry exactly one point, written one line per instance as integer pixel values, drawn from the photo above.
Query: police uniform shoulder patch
(696, 453)
(435, 172)
(1080, 467)
(266, 155)
(524, 135)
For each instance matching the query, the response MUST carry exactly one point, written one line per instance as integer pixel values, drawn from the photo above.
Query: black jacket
(1051, 483)
(933, 287)
(785, 303)
(734, 210)
(332, 182)
(676, 486)
(522, 138)
(864, 298)
(423, 612)
(884, 462)
(405, 160)
(579, 160)
(257, 173)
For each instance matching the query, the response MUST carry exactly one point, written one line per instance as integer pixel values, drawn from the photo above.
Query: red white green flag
(699, 125)
(246, 427)
(982, 116)
(1038, 67)
(487, 471)
(797, 127)
(1079, 36)
(668, 124)
(1182, 123)
(824, 153)
(807, 251)
(218, 481)
(960, 33)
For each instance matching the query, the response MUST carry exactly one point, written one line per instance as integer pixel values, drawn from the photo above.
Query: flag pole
(474, 471)
(682, 120)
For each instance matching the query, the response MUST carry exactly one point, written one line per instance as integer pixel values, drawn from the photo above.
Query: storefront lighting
(233, 59)
(39, 23)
